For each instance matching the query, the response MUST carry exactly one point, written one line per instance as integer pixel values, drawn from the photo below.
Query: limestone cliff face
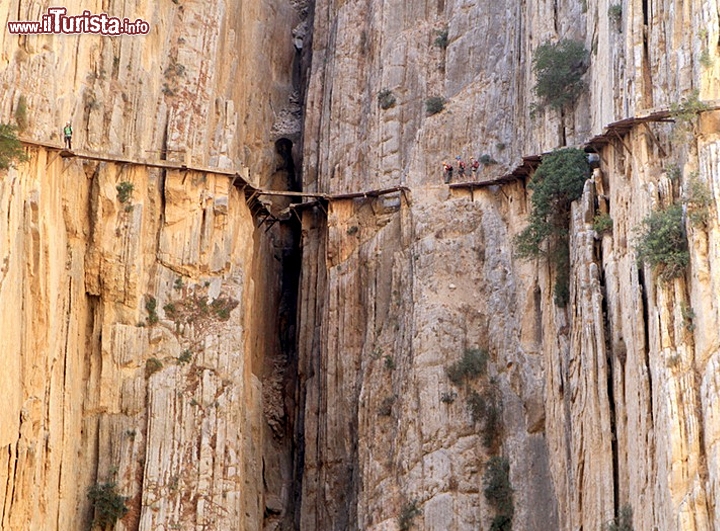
(129, 356)
(607, 402)
(206, 85)
(150, 336)
(140, 307)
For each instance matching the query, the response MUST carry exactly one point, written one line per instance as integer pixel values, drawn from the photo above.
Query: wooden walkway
(164, 164)
(612, 132)
(252, 194)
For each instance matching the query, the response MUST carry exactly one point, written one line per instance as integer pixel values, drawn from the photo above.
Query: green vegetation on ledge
(557, 182)
(662, 243)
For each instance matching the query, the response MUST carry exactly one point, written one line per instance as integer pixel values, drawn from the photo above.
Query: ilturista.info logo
(57, 21)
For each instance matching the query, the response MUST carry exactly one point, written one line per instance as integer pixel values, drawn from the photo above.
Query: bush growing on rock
(559, 69)
(11, 150)
(441, 41)
(662, 243)
(472, 365)
(108, 504)
(386, 99)
(557, 182)
(21, 114)
(434, 105)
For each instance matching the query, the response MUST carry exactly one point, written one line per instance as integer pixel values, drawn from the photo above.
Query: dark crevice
(284, 148)
(612, 367)
(646, 336)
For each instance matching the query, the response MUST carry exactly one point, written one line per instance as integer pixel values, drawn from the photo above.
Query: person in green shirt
(67, 132)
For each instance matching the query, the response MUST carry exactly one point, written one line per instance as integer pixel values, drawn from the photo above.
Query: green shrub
(623, 522)
(602, 223)
(557, 182)
(170, 309)
(487, 160)
(21, 117)
(441, 41)
(688, 316)
(687, 110)
(501, 522)
(152, 365)
(434, 105)
(124, 191)
(699, 199)
(485, 408)
(222, 306)
(109, 506)
(11, 150)
(559, 69)
(386, 99)
(498, 491)
(408, 514)
(472, 365)
(389, 362)
(185, 357)
(151, 307)
(615, 13)
(476, 406)
(662, 243)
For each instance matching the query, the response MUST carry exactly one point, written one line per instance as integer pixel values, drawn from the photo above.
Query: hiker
(474, 165)
(67, 132)
(461, 166)
(448, 171)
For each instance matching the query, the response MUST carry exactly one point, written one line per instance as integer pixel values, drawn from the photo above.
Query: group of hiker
(448, 168)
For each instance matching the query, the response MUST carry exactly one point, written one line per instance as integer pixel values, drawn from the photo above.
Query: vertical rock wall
(135, 343)
(605, 403)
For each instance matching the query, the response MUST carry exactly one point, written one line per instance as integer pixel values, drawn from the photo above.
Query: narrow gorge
(247, 299)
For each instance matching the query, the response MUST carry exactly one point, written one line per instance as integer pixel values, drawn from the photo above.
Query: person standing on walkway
(461, 166)
(447, 172)
(67, 133)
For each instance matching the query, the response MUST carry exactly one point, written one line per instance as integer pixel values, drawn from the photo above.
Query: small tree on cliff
(11, 150)
(109, 506)
(557, 182)
(559, 69)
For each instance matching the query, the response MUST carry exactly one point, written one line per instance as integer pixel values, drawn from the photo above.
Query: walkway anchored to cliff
(259, 208)
(612, 132)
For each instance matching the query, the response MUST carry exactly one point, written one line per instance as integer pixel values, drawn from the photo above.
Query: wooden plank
(287, 193)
